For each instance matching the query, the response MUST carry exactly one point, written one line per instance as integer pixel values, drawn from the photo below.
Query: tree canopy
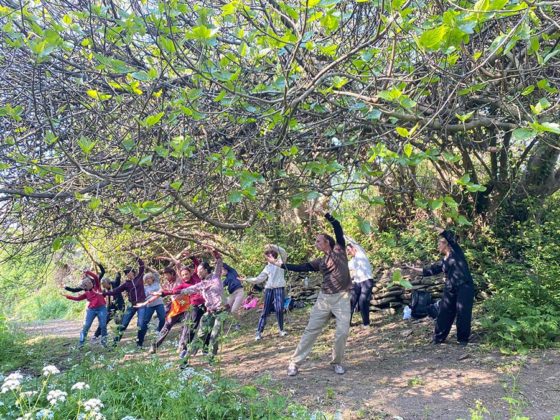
(177, 117)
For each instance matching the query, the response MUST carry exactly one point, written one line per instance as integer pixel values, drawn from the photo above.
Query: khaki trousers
(339, 305)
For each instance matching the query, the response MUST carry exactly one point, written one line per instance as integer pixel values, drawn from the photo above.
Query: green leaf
(464, 117)
(167, 44)
(523, 134)
(97, 95)
(57, 244)
(403, 132)
(433, 39)
(408, 149)
(151, 120)
(94, 203)
(364, 225)
(176, 185)
(86, 145)
(549, 127)
(201, 33)
(235, 196)
(436, 204)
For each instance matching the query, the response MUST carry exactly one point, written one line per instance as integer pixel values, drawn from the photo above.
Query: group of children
(197, 299)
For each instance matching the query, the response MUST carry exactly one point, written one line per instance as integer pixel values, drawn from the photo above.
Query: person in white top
(362, 279)
(274, 289)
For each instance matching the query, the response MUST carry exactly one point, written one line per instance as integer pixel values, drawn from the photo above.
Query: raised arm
(337, 229)
(219, 265)
(141, 266)
(101, 271)
(115, 291)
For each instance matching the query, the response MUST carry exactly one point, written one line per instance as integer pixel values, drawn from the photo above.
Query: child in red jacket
(96, 306)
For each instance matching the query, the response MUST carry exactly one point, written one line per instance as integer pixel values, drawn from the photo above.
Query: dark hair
(329, 238)
(169, 270)
(271, 252)
(128, 269)
(206, 265)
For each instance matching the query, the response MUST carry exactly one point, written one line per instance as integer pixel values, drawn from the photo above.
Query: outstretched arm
(73, 289)
(337, 228)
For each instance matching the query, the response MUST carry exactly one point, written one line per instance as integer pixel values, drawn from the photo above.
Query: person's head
(224, 271)
(149, 279)
(129, 272)
(351, 249)
(442, 245)
(169, 274)
(186, 273)
(271, 253)
(106, 284)
(204, 269)
(324, 242)
(86, 283)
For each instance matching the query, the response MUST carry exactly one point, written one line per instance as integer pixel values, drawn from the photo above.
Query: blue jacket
(231, 281)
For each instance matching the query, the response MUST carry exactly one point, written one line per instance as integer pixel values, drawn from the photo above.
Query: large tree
(161, 116)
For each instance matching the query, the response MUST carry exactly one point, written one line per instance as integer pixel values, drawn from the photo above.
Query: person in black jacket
(458, 292)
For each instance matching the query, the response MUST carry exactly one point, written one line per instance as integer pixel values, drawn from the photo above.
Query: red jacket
(94, 298)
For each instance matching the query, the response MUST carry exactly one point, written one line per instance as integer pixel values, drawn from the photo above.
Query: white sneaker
(283, 333)
(338, 369)
(292, 369)
(258, 337)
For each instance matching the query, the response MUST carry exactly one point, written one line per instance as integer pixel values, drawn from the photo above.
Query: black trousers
(361, 295)
(456, 302)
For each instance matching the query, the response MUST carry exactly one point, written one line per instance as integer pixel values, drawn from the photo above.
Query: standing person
(362, 280)
(179, 304)
(212, 290)
(152, 285)
(334, 297)
(274, 288)
(115, 304)
(458, 292)
(134, 287)
(96, 306)
(235, 290)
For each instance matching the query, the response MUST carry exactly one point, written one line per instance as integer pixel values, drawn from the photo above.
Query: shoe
(152, 349)
(282, 333)
(463, 343)
(94, 339)
(339, 370)
(292, 369)
(258, 337)
(183, 354)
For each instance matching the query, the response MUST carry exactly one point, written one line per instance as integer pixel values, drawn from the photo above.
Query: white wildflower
(14, 376)
(55, 396)
(50, 370)
(28, 394)
(80, 386)
(45, 413)
(93, 405)
(129, 418)
(27, 416)
(94, 415)
(10, 385)
(173, 394)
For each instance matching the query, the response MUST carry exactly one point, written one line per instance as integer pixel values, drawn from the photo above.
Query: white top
(274, 276)
(360, 267)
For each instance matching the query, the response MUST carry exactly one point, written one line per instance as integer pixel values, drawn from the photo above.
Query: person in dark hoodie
(134, 287)
(235, 290)
(458, 293)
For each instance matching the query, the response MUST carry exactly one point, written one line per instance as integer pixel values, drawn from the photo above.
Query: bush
(47, 303)
(103, 389)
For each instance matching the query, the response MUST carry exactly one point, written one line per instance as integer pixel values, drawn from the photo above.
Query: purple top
(134, 288)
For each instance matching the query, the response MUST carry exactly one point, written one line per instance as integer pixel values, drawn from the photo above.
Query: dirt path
(391, 372)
